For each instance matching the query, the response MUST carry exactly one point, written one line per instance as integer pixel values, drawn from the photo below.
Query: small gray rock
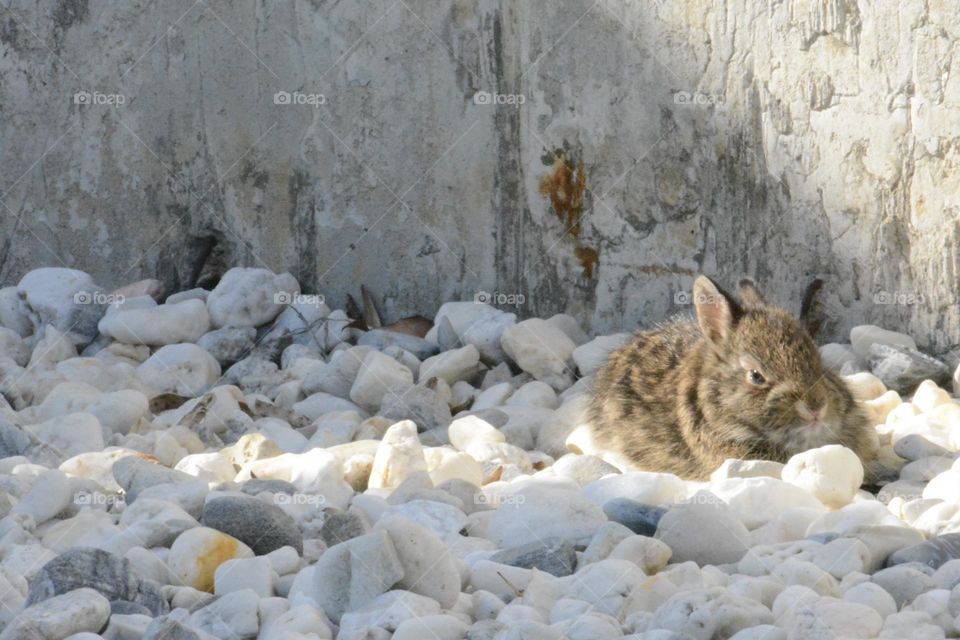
(915, 447)
(902, 368)
(110, 575)
(704, 531)
(447, 336)
(638, 517)
(382, 338)
(229, 344)
(261, 526)
(340, 526)
(135, 474)
(932, 553)
(419, 403)
(126, 608)
(556, 556)
(17, 441)
(167, 628)
(884, 540)
(258, 485)
(903, 583)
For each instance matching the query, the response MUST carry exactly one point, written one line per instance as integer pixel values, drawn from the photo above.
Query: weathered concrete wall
(655, 140)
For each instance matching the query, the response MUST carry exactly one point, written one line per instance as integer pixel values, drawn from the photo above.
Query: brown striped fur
(679, 398)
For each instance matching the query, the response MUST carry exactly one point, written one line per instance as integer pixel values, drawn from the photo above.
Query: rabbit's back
(634, 406)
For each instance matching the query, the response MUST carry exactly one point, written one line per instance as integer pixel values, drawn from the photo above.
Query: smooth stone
(590, 356)
(832, 473)
(833, 618)
(640, 518)
(650, 554)
(903, 583)
(71, 434)
(16, 441)
(756, 501)
(902, 368)
(451, 366)
(12, 346)
(428, 566)
(378, 376)
(554, 555)
(398, 455)
(583, 469)
(703, 531)
(196, 553)
(933, 553)
(873, 596)
(862, 337)
(443, 519)
(864, 386)
(641, 486)
(66, 299)
(470, 430)
(250, 297)
(707, 613)
(532, 512)
(734, 468)
(261, 526)
(157, 325)
(486, 334)
(542, 350)
(245, 573)
(49, 494)
(386, 612)
(135, 474)
(915, 447)
(184, 369)
(319, 404)
(228, 345)
(883, 541)
(234, 615)
(436, 627)
(421, 403)
(379, 339)
(111, 576)
(340, 526)
(156, 523)
(60, 616)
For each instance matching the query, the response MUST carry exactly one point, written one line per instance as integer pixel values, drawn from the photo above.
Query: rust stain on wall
(588, 258)
(564, 186)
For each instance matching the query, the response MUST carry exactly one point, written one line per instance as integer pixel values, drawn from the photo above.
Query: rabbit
(745, 380)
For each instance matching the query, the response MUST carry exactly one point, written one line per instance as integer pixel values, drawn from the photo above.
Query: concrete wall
(652, 140)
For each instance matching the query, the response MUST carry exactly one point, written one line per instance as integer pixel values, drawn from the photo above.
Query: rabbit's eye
(755, 377)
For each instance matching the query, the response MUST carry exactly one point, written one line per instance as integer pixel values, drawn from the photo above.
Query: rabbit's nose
(811, 415)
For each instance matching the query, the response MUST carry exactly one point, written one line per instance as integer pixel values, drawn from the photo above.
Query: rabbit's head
(762, 371)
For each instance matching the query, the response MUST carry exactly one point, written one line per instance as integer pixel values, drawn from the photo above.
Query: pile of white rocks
(242, 463)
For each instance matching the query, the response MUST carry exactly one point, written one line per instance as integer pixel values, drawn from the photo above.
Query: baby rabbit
(743, 381)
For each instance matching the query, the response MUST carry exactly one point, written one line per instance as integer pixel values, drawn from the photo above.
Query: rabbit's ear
(749, 294)
(717, 313)
(810, 309)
